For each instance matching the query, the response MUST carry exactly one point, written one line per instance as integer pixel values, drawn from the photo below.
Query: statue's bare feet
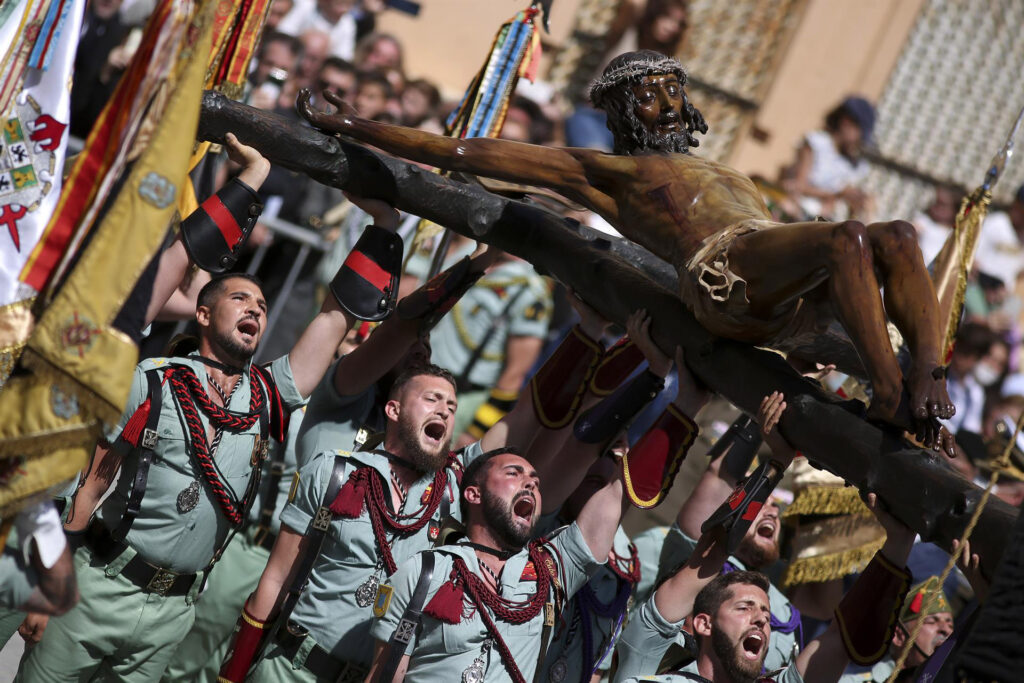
(340, 122)
(928, 397)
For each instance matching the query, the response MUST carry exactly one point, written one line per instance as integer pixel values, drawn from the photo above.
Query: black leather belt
(319, 661)
(148, 577)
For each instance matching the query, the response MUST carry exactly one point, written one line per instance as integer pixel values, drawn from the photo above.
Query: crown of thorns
(645, 63)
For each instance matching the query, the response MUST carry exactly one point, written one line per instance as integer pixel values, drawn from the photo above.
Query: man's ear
(899, 635)
(472, 495)
(702, 624)
(392, 409)
(203, 316)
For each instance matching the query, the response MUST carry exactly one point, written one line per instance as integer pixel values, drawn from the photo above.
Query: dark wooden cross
(617, 277)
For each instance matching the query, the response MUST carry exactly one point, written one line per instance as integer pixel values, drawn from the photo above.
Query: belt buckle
(162, 581)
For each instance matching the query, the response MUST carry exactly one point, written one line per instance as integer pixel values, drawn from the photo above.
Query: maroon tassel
(133, 428)
(446, 604)
(351, 498)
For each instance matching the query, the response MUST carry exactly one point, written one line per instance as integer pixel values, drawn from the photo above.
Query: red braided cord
(189, 392)
(632, 571)
(506, 610)
(381, 515)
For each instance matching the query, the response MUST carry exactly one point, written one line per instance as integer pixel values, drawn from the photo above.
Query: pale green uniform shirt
(441, 652)
(648, 548)
(327, 607)
(565, 656)
(333, 421)
(17, 579)
(782, 647)
(185, 542)
(787, 675)
(646, 639)
(512, 288)
(878, 672)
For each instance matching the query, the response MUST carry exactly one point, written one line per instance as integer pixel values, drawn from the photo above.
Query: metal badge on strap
(406, 628)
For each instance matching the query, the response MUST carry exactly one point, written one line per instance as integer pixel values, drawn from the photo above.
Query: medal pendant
(367, 593)
(474, 673)
(558, 670)
(189, 497)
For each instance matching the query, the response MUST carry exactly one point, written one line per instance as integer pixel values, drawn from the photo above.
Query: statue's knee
(850, 240)
(899, 236)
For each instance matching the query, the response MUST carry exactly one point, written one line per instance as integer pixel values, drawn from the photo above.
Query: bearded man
(488, 604)
(189, 446)
(731, 618)
(744, 276)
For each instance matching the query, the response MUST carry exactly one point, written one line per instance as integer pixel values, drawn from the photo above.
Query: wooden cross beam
(617, 277)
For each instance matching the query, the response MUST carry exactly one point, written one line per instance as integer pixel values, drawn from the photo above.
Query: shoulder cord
(189, 394)
(380, 516)
(954, 557)
(506, 610)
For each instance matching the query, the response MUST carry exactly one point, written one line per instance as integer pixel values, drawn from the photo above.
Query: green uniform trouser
(201, 653)
(116, 632)
(276, 667)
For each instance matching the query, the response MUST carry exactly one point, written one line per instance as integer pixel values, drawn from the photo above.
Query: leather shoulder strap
(406, 628)
(146, 454)
(316, 533)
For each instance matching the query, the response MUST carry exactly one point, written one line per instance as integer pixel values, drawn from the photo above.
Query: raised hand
(768, 416)
(639, 328)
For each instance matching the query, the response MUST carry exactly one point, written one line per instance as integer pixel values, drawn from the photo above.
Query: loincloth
(718, 296)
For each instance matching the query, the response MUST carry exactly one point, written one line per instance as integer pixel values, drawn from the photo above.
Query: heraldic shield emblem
(28, 159)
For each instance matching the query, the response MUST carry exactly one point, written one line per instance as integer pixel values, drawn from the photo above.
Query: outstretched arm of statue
(562, 169)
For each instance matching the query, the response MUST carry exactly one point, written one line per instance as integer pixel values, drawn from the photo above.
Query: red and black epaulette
(366, 285)
(214, 233)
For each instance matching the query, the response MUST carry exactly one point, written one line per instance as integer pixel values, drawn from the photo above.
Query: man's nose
(664, 101)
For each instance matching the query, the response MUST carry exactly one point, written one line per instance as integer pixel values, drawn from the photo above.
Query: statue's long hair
(613, 93)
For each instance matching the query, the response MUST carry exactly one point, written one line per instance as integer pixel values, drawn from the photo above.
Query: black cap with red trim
(366, 285)
(214, 233)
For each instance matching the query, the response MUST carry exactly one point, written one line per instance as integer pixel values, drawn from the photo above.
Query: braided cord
(954, 557)
(508, 611)
(380, 515)
(190, 393)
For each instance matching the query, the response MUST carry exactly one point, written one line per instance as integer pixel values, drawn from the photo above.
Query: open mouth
(434, 431)
(752, 644)
(249, 328)
(766, 529)
(524, 506)
(669, 123)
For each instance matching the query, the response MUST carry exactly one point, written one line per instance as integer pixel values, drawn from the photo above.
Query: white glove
(40, 522)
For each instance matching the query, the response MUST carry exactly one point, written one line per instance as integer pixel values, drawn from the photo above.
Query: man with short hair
(731, 617)
(190, 445)
(490, 602)
(926, 605)
(744, 276)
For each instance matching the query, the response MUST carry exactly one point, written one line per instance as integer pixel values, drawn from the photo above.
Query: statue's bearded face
(659, 104)
(652, 114)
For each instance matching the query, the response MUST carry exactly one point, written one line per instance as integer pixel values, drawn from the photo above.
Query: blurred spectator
(999, 250)
(95, 75)
(278, 10)
(277, 51)
(379, 52)
(420, 101)
(828, 164)
(333, 17)
(973, 342)
(988, 301)
(338, 76)
(935, 223)
(316, 47)
(372, 94)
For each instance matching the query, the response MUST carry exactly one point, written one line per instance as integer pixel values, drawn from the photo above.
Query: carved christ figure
(745, 276)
